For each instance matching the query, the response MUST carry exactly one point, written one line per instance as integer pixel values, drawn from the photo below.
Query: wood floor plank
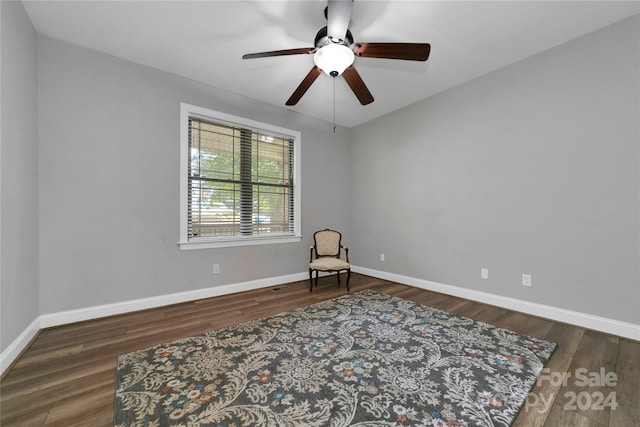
(67, 375)
(490, 314)
(625, 414)
(596, 353)
(74, 389)
(39, 357)
(34, 417)
(628, 373)
(68, 409)
(541, 399)
(80, 369)
(627, 389)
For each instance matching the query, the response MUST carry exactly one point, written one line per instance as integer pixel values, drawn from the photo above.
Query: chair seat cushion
(326, 264)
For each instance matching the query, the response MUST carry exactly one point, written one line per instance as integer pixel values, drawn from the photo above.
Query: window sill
(236, 241)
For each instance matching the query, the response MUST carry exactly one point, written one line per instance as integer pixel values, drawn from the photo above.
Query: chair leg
(310, 280)
(316, 278)
(338, 276)
(348, 278)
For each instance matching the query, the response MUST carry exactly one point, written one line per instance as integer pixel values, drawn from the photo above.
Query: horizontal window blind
(240, 181)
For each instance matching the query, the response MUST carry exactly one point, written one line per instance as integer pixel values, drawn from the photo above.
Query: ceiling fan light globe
(333, 59)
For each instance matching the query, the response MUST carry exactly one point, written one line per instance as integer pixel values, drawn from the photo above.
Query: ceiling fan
(334, 52)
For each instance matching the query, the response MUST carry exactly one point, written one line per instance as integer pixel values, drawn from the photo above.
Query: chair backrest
(327, 242)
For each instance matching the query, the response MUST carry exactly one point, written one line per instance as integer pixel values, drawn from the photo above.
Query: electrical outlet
(484, 273)
(216, 268)
(526, 280)
(382, 257)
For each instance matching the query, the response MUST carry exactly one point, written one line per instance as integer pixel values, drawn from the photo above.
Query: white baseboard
(71, 316)
(602, 324)
(18, 345)
(9, 355)
(596, 323)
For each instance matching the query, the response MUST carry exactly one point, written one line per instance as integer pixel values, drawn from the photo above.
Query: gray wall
(531, 169)
(19, 174)
(109, 183)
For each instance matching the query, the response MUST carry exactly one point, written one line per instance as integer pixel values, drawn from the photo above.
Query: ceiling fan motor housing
(322, 39)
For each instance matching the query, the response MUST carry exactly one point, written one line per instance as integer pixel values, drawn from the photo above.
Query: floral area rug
(365, 359)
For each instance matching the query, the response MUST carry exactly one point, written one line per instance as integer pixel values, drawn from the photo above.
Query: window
(239, 183)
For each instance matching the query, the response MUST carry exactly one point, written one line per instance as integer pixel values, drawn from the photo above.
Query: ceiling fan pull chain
(334, 104)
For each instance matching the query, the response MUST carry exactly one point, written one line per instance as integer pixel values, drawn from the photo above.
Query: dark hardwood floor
(67, 375)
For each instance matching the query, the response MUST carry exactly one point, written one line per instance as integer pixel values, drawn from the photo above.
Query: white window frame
(188, 110)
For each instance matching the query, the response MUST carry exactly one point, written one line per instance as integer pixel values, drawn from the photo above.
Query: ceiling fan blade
(408, 51)
(338, 17)
(357, 85)
(304, 86)
(299, 51)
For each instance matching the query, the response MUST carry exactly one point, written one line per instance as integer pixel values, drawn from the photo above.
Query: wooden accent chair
(325, 256)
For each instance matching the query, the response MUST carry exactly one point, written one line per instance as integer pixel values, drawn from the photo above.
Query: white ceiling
(205, 40)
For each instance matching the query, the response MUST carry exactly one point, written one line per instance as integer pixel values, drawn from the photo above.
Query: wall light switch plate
(484, 273)
(526, 280)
